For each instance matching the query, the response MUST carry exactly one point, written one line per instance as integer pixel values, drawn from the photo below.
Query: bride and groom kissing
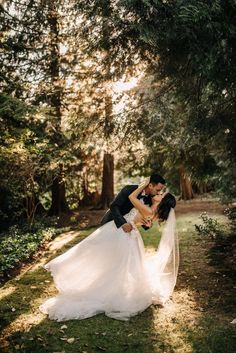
(109, 271)
(150, 192)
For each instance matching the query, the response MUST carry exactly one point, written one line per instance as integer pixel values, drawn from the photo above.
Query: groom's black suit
(122, 205)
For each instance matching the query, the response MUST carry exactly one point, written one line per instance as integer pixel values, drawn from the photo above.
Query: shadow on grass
(222, 255)
(96, 334)
(211, 336)
(141, 334)
(204, 269)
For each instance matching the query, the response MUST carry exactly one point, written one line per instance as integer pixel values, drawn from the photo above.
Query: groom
(122, 205)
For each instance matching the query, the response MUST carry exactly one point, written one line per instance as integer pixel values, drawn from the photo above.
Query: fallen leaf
(63, 327)
(101, 348)
(233, 322)
(71, 340)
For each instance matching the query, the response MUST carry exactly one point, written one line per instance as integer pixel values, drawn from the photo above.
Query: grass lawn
(196, 320)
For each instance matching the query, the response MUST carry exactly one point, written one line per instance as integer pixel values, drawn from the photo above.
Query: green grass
(212, 336)
(28, 331)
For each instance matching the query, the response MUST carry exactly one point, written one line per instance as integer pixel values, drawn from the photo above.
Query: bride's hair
(165, 206)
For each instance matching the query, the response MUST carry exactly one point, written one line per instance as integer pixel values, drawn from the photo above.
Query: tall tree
(191, 47)
(59, 203)
(38, 31)
(111, 57)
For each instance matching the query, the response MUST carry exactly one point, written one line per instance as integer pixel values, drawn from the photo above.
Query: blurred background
(100, 94)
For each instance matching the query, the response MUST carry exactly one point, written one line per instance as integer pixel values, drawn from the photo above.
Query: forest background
(100, 94)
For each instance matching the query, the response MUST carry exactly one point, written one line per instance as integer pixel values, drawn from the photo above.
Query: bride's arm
(145, 210)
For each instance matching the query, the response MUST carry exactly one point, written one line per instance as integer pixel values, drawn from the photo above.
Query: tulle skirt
(108, 272)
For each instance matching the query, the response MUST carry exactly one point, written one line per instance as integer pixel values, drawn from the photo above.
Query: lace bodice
(131, 215)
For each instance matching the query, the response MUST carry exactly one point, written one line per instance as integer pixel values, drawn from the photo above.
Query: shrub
(210, 227)
(231, 215)
(19, 243)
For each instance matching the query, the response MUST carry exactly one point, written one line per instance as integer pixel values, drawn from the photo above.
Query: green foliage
(20, 242)
(231, 215)
(191, 78)
(210, 227)
(62, 66)
(56, 104)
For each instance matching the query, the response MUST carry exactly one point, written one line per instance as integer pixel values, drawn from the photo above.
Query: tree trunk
(59, 204)
(33, 207)
(185, 185)
(107, 193)
(86, 200)
(107, 180)
(202, 188)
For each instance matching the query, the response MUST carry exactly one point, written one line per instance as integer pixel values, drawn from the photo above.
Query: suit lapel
(148, 200)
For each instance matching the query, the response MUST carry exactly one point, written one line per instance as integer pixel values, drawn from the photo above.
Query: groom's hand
(127, 227)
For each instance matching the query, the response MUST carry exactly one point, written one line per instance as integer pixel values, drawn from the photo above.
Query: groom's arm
(119, 202)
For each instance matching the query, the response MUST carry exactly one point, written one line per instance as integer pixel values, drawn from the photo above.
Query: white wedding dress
(109, 272)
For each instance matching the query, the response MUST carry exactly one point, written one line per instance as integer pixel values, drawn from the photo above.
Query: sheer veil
(163, 265)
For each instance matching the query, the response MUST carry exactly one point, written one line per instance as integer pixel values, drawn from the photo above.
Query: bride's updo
(165, 206)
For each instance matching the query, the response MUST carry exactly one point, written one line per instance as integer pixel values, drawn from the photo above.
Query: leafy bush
(210, 227)
(231, 215)
(19, 243)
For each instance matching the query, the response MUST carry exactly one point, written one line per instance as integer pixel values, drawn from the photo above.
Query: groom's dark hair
(157, 178)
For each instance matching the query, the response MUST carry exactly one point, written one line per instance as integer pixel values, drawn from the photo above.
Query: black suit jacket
(122, 205)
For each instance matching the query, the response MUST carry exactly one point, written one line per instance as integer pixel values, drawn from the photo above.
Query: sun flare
(121, 86)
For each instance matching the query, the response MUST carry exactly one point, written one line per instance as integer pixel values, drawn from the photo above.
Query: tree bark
(107, 194)
(185, 185)
(87, 199)
(59, 204)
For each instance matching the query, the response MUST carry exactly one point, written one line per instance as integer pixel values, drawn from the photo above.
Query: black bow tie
(144, 197)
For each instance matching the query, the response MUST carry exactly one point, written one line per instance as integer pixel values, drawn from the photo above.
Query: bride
(109, 271)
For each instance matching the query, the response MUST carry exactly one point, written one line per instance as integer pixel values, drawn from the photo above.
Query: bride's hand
(144, 183)
(147, 222)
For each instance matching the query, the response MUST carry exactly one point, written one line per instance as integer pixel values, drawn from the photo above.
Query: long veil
(163, 265)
